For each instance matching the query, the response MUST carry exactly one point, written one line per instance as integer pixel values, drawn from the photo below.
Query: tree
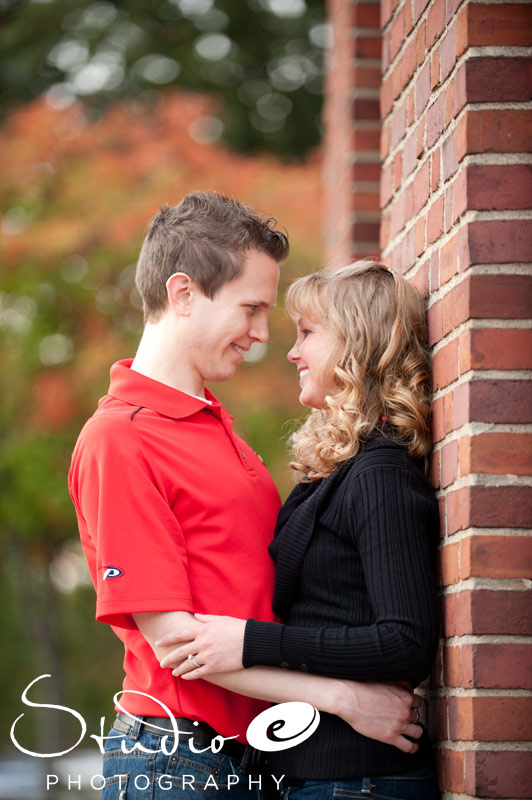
(263, 60)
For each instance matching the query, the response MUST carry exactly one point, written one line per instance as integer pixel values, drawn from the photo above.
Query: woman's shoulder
(383, 451)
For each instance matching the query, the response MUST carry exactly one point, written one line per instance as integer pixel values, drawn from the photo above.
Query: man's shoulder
(111, 424)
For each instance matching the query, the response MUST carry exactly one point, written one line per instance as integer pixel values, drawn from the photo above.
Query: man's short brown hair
(205, 236)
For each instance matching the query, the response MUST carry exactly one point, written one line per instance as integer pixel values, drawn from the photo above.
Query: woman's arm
(379, 711)
(391, 522)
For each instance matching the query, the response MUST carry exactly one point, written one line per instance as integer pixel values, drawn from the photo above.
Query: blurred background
(107, 110)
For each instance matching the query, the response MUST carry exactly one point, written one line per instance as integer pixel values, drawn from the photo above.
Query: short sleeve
(132, 539)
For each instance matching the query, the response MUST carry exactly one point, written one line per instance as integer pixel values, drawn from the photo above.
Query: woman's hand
(384, 711)
(215, 642)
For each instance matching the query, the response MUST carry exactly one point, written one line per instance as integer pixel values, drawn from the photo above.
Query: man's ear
(179, 288)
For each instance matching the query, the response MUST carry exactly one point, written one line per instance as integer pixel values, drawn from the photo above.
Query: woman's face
(311, 353)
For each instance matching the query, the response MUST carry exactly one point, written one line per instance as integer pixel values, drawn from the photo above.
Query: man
(176, 511)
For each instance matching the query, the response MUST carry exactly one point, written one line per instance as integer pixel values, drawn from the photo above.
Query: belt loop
(366, 786)
(135, 730)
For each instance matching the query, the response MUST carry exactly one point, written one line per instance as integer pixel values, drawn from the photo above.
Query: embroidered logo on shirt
(112, 572)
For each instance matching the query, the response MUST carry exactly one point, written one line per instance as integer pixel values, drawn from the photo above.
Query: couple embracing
(224, 600)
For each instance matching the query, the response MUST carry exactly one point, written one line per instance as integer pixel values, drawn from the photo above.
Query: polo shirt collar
(139, 390)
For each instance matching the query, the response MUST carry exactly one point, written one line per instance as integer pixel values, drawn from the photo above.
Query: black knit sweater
(356, 591)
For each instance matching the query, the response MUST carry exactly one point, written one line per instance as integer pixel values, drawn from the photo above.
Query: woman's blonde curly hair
(381, 367)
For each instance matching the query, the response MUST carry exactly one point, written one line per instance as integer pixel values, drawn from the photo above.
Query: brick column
(456, 194)
(352, 132)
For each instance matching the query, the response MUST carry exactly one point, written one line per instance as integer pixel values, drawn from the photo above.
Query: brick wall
(456, 200)
(352, 132)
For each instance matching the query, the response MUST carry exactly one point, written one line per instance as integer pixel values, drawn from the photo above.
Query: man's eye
(253, 309)
(305, 331)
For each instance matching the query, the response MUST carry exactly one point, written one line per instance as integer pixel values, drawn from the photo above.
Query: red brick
(503, 773)
(498, 242)
(435, 170)
(452, 669)
(500, 79)
(367, 77)
(365, 140)
(385, 141)
(410, 154)
(490, 719)
(435, 221)
(458, 98)
(366, 109)
(498, 506)
(449, 260)
(419, 7)
(448, 412)
(452, 8)
(449, 156)
(437, 420)
(410, 109)
(367, 15)
(461, 400)
(435, 270)
(495, 348)
(386, 10)
(501, 666)
(386, 184)
(496, 557)
(456, 305)
(421, 277)
(435, 69)
(449, 463)
(450, 573)
(445, 365)
(448, 51)
(499, 24)
(489, 131)
(501, 187)
(501, 296)
(501, 453)
(421, 50)
(366, 231)
(388, 94)
(398, 124)
(435, 322)
(397, 34)
(453, 770)
(421, 187)
(368, 47)
(407, 65)
(397, 171)
(420, 236)
(435, 120)
(459, 196)
(499, 401)
(497, 612)
(435, 21)
(366, 172)
(422, 89)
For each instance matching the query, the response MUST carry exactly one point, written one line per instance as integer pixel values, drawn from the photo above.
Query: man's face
(222, 329)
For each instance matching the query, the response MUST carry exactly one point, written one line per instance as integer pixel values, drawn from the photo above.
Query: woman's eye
(305, 331)
(253, 309)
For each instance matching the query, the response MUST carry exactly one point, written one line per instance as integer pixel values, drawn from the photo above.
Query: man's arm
(379, 711)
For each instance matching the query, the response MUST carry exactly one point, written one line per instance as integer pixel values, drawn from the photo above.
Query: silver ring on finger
(415, 710)
(192, 658)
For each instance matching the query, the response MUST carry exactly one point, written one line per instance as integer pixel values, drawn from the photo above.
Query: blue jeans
(421, 784)
(155, 775)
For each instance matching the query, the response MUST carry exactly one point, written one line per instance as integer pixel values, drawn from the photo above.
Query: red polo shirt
(175, 513)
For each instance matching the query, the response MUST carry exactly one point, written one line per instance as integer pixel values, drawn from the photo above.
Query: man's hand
(215, 642)
(383, 711)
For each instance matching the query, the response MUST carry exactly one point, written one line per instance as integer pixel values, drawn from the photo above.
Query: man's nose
(259, 329)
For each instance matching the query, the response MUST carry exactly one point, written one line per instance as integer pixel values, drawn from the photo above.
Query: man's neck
(159, 357)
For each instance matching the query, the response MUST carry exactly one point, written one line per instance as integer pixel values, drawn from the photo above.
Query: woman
(354, 542)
